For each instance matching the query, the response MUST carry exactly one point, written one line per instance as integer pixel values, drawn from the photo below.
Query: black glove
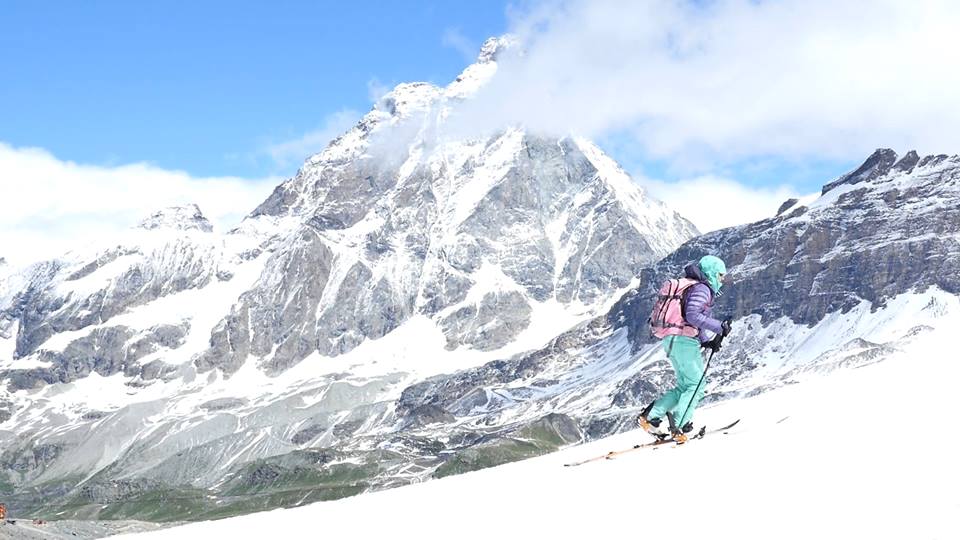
(725, 326)
(713, 344)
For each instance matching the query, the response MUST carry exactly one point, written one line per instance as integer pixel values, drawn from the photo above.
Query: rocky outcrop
(527, 218)
(891, 234)
(181, 218)
(104, 351)
(878, 164)
(64, 297)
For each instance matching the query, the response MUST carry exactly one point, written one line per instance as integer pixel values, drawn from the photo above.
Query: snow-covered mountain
(812, 289)
(263, 366)
(824, 459)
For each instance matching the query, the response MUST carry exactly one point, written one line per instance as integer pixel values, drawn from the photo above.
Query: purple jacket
(699, 302)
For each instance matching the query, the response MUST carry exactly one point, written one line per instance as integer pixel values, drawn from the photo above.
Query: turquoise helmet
(713, 268)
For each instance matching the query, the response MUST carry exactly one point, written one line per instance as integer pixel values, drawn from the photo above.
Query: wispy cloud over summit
(733, 79)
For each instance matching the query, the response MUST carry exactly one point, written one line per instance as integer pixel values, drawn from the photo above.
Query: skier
(681, 317)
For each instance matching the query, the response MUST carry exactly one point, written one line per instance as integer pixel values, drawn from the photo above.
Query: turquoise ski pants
(684, 354)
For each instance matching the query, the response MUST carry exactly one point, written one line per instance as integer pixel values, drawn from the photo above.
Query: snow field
(861, 453)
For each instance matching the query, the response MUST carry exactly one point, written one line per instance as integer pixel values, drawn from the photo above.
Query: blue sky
(210, 87)
(110, 110)
(205, 86)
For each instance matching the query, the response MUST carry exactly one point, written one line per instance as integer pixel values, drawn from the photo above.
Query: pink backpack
(666, 319)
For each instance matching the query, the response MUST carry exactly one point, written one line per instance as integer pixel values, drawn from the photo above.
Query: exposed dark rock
(491, 324)
(322, 222)
(345, 429)
(24, 460)
(43, 312)
(788, 204)
(105, 351)
(424, 446)
(101, 261)
(156, 369)
(94, 415)
(907, 162)
(878, 164)
(308, 434)
(929, 161)
(863, 247)
(429, 414)
(224, 404)
(604, 426)
(444, 390)
(6, 410)
(113, 491)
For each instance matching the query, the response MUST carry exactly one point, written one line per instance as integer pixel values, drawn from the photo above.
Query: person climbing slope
(682, 318)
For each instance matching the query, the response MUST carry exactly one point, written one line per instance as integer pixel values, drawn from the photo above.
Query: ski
(610, 455)
(703, 431)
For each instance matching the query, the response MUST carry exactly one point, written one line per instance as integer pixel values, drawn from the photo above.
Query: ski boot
(679, 435)
(651, 425)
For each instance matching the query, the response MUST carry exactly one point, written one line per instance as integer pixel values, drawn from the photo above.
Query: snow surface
(860, 453)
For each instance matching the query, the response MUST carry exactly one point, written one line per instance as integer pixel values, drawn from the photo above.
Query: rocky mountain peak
(878, 164)
(787, 204)
(907, 162)
(494, 46)
(407, 98)
(183, 218)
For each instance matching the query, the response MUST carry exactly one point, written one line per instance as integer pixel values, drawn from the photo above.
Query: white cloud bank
(713, 202)
(48, 206)
(727, 80)
(712, 86)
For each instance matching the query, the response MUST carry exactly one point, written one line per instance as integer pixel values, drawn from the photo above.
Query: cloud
(713, 202)
(717, 82)
(454, 38)
(376, 90)
(297, 150)
(49, 206)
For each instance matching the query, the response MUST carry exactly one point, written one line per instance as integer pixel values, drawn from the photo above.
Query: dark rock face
(871, 243)
(306, 435)
(25, 460)
(224, 404)
(442, 393)
(6, 411)
(424, 415)
(346, 429)
(156, 369)
(877, 165)
(105, 351)
(43, 312)
(491, 324)
(907, 162)
(115, 490)
(788, 204)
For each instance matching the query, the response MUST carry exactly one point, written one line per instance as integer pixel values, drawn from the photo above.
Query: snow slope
(859, 453)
